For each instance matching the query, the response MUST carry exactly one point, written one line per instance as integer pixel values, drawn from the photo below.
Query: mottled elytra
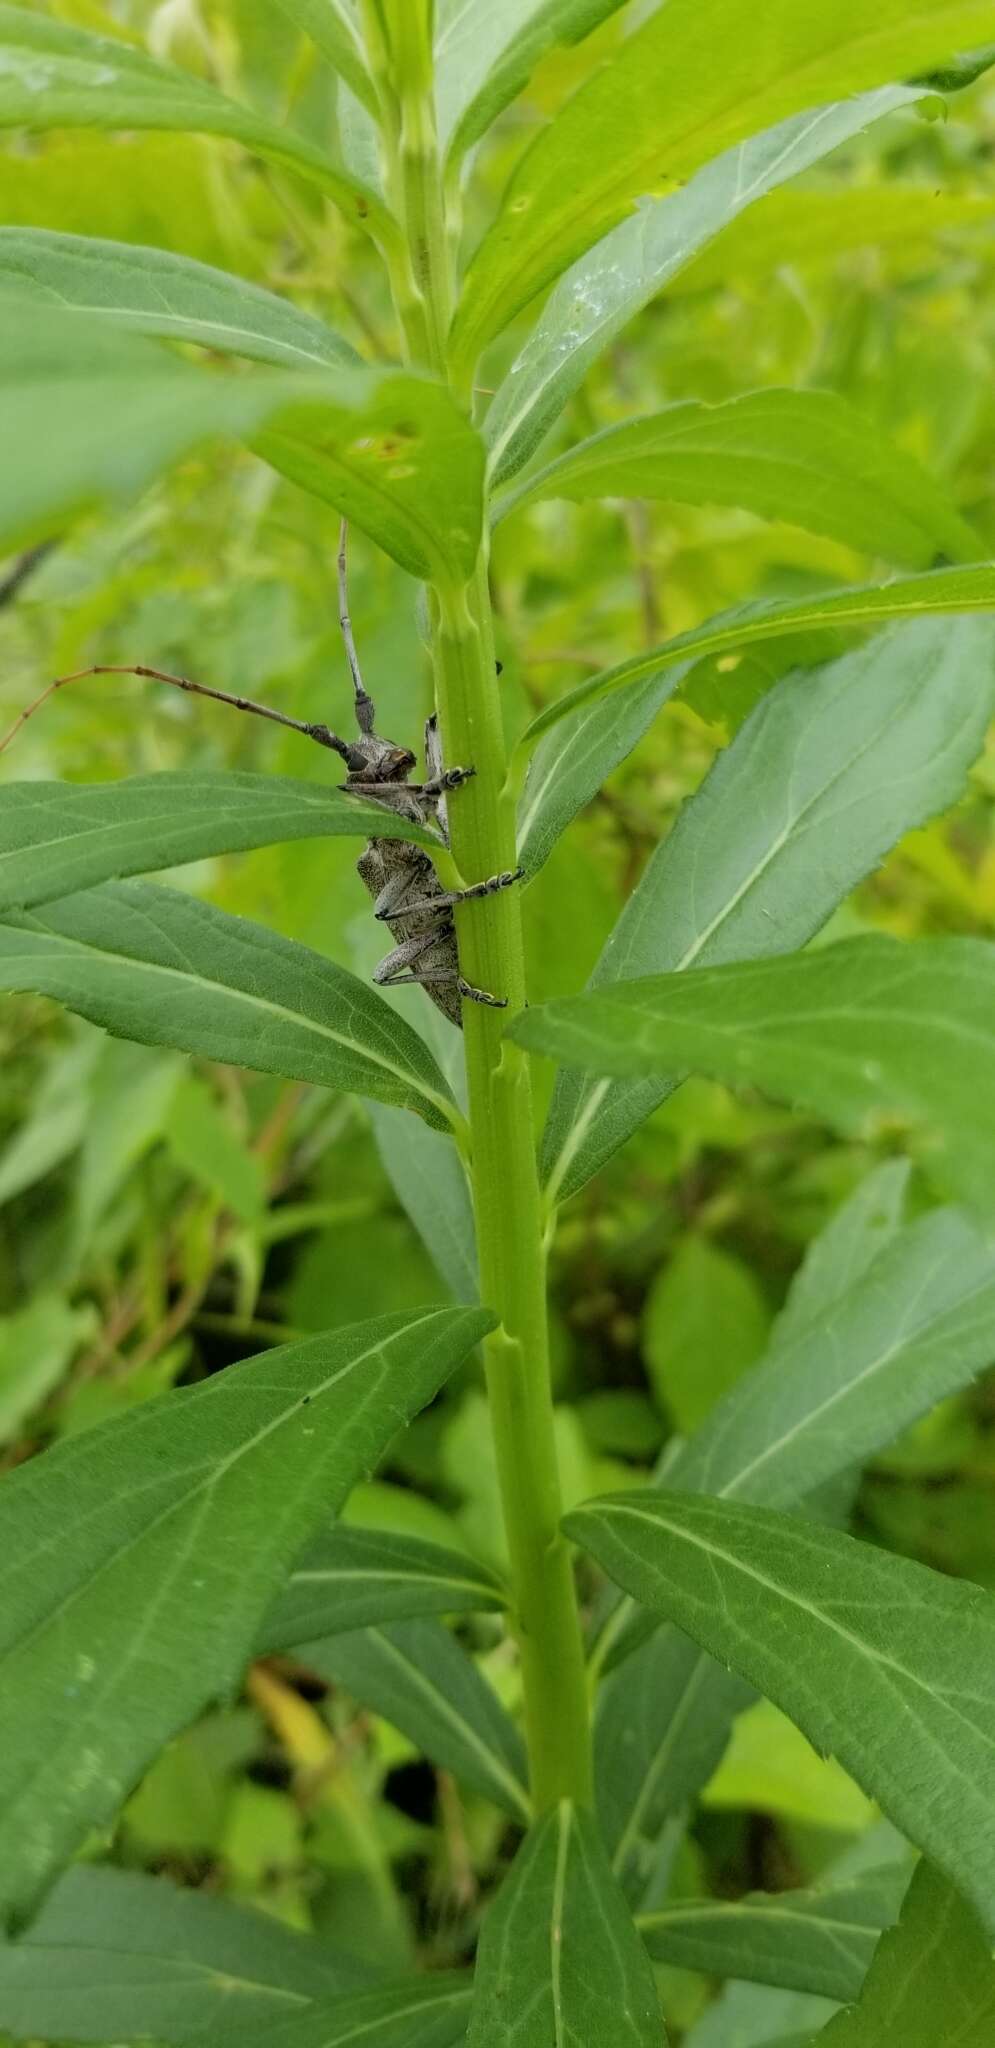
(407, 894)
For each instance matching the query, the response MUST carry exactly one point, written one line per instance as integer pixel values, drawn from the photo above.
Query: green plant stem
(508, 1217)
(502, 1137)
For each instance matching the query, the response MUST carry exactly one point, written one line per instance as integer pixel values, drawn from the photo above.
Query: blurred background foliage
(159, 1220)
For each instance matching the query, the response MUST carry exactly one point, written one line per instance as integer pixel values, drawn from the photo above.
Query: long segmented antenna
(365, 708)
(320, 733)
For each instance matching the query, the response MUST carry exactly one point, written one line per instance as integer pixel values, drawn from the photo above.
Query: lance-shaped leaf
(153, 291)
(58, 838)
(805, 456)
(600, 294)
(484, 57)
(756, 2016)
(936, 592)
(858, 1033)
(619, 138)
(424, 2012)
(389, 449)
(185, 1515)
(559, 1958)
(880, 1662)
(863, 1351)
(116, 1956)
(429, 1178)
(821, 1940)
(54, 76)
(154, 965)
(352, 1578)
(810, 230)
(417, 1676)
(572, 761)
(332, 27)
(932, 1981)
(827, 773)
(916, 1325)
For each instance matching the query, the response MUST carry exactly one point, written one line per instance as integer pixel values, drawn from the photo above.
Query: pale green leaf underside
(185, 1515)
(938, 591)
(153, 291)
(429, 1178)
(596, 299)
(559, 1958)
(164, 968)
(821, 1940)
(114, 1956)
(618, 140)
(932, 1981)
(884, 1664)
(825, 775)
(859, 1034)
(417, 1676)
(57, 838)
(55, 76)
(353, 1578)
(807, 457)
(331, 25)
(485, 56)
(389, 449)
(811, 229)
(574, 759)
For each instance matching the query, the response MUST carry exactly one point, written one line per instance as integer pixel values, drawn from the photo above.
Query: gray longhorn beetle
(408, 896)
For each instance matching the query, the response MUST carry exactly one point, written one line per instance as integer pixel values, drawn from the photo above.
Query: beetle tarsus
(479, 995)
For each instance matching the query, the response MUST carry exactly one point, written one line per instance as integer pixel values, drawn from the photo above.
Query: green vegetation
(496, 1542)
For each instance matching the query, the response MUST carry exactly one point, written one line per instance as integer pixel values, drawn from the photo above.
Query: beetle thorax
(371, 759)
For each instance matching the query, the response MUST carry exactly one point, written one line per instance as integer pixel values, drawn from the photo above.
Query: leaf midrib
(127, 961)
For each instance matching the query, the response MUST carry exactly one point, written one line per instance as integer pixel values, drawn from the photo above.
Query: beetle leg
(447, 778)
(480, 995)
(393, 972)
(407, 954)
(390, 902)
(447, 898)
(439, 778)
